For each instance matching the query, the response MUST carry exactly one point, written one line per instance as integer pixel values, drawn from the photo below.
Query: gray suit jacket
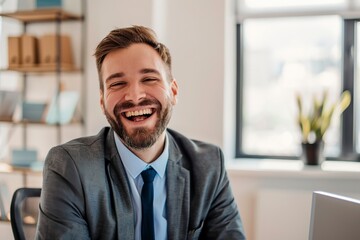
(86, 194)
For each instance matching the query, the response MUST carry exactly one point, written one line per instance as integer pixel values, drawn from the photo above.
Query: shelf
(8, 168)
(43, 69)
(10, 121)
(42, 15)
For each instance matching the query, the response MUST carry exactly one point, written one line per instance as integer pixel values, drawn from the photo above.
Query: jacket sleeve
(223, 219)
(62, 211)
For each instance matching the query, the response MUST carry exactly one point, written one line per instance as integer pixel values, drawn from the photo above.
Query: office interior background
(239, 65)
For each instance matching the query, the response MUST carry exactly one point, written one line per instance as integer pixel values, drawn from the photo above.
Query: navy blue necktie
(147, 196)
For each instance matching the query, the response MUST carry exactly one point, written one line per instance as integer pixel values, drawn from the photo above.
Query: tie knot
(148, 175)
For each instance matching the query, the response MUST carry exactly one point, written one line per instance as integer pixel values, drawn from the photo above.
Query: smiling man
(137, 97)
(136, 179)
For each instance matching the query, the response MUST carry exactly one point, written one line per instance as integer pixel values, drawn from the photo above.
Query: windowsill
(293, 168)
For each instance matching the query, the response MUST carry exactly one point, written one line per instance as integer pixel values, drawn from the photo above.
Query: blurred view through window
(287, 47)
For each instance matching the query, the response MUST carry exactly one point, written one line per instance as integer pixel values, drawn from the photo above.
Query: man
(94, 187)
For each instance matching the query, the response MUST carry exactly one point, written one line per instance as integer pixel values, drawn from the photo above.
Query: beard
(141, 137)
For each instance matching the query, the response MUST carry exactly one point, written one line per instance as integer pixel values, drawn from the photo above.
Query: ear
(174, 91)
(102, 101)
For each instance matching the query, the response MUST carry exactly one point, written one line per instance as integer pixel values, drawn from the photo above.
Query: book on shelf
(62, 107)
(8, 103)
(33, 111)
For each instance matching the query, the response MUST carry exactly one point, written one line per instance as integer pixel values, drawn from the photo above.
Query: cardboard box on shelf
(49, 47)
(29, 52)
(14, 51)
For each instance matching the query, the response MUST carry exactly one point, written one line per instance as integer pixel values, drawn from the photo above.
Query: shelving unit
(56, 74)
(56, 16)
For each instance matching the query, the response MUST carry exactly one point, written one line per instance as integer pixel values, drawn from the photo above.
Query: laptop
(334, 217)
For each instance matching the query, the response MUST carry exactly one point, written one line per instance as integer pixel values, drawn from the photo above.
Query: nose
(135, 93)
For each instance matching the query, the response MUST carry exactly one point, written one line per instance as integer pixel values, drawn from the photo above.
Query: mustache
(123, 106)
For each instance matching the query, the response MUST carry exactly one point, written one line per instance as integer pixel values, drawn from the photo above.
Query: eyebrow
(142, 71)
(149, 70)
(115, 75)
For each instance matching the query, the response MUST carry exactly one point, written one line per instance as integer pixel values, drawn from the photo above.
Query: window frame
(348, 128)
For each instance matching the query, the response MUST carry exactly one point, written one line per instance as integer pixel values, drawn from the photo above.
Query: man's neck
(150, 154)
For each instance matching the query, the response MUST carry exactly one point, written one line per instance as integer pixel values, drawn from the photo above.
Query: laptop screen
(334, 217)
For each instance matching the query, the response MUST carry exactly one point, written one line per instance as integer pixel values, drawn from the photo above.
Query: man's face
(138, 98)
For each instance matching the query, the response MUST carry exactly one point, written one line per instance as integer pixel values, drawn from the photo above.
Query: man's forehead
(138, 58)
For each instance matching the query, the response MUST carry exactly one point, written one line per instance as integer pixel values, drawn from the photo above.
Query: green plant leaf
(318, 120)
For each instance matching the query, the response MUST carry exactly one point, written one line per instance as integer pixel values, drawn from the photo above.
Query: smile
(139, 115)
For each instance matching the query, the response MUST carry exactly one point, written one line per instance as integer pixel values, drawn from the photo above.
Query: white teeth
(138, 113)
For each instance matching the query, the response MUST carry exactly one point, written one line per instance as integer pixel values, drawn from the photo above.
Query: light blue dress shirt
(134, 166)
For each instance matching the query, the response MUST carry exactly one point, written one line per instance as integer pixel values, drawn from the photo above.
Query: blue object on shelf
(33, 111)
(23, 157)
(37, 166)
(48, 3)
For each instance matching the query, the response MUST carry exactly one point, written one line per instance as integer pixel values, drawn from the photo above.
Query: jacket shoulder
(89, 140)
(195, 152)
(192, 144)
(84, 149)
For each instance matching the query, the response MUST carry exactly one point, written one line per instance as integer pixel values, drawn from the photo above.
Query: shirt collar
(134, 165)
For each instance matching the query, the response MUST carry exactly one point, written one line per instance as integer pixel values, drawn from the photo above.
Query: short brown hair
(122, 38)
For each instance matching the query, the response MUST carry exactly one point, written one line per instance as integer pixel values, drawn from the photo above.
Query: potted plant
(315, 123)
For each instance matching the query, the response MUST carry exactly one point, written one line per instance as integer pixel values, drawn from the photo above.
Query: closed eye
(149, 80)
(117, 84)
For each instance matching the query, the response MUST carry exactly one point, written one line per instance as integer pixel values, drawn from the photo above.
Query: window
(283, 51)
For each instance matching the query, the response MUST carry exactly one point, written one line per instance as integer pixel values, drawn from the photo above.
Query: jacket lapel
(178, 194)
(120, 190)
